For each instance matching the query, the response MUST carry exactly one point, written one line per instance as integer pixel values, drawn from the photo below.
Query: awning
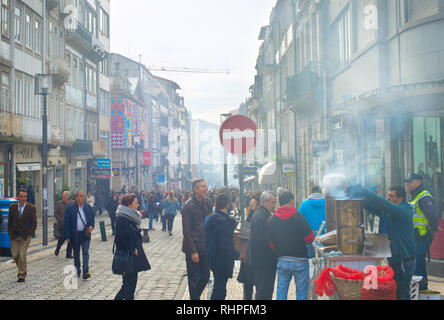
(250, 179)
(28, 167)
(268, 174)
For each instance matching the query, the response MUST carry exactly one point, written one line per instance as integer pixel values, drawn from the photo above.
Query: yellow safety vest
(420, 221)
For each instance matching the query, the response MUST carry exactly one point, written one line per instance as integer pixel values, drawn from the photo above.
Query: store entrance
(27, 180)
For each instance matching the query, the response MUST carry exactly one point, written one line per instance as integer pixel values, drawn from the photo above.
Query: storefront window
(427, 149)
(2, 182)
(78, 179)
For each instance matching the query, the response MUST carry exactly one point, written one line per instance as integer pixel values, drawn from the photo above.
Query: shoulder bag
(86, 232)
(123, 262)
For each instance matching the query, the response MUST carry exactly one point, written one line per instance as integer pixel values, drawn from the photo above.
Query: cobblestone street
(165, 281)
(45, 280)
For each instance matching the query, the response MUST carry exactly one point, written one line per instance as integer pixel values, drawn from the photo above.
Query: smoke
(335, 185)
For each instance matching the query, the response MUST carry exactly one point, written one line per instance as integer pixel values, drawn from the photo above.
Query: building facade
(353, 87)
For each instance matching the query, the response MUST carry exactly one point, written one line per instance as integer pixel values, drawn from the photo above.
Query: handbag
(245, 230)
(123, 262)
(86, 232)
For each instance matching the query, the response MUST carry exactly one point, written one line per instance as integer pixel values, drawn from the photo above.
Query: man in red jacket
(289, 233)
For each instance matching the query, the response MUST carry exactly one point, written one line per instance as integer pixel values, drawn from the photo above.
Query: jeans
(170, 220)
(198, 276)
(264, 280)
(151, 216)
(81, 242)
(219, 286)
(164, 222)
(286, 269)
(310, 251)
(60, 243)
(422, 247)
(403, 277)
(128, 287)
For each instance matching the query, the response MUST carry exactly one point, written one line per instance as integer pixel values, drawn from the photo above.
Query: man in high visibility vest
(425, 223)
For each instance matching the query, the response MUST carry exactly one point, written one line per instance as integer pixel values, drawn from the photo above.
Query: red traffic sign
(238, 135)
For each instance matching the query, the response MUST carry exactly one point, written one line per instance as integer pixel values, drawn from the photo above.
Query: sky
(202, 34)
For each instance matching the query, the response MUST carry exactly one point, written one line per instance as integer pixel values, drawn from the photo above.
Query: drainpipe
(296, 193)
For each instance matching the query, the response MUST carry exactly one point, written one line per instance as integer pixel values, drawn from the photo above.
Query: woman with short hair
(128, 238)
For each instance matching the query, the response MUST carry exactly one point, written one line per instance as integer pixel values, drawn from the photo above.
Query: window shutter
(418, 9)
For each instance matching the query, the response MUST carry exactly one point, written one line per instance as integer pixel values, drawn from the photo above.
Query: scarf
(131, 214)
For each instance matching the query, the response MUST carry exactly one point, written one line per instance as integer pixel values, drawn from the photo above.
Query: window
(91, 22)
(91, 80)
(37, 37)
(28, 99)
(28, 31)
(18, 96)
(104, 102)
(5, 92)
(104, 22)
(37, 106)
(5, 18)
(18, 36)
(75, 72)
(104, 67)
(307, 43)
(81, 76)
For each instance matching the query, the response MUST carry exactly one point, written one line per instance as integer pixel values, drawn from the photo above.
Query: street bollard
(102, 230)
(146, 237)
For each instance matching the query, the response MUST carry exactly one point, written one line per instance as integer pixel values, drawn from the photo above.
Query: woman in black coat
(128, 238)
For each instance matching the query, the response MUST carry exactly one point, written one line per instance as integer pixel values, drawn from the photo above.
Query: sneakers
(21, 280)
(170, 233)
(86, 275)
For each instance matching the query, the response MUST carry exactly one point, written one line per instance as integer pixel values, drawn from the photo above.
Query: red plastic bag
(386, 286)
(324, 284)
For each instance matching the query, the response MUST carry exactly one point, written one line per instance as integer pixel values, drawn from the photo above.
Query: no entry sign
(238, 135)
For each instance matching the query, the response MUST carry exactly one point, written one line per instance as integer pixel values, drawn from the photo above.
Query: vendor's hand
(195, 257)
(357, 191)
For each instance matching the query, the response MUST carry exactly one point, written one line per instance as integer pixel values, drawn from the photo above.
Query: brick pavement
(45, 280)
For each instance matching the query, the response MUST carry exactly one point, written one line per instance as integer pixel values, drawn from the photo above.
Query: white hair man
(260, 256)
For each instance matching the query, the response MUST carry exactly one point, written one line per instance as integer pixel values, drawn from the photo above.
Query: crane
(185, 69)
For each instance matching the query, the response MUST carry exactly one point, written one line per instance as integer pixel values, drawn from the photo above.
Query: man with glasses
(400, 232)
(259, 253)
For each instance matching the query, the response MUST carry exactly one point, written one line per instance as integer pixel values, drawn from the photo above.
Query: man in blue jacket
(221, 254)
(79, 218)
(401, 232)
(313, 209)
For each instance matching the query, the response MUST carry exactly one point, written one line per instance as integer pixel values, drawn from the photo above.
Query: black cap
(414, 176)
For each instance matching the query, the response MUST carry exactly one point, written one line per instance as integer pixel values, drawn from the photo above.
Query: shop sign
(79, 164)
(101, 173)
(289, 170)
(161, 179)
(116, 172)
(27, 153)
(147, 158)
(320, 148)
(104, 163)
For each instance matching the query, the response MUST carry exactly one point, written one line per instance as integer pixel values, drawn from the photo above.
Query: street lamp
(224, 117)
(136, 142)
(43, 87)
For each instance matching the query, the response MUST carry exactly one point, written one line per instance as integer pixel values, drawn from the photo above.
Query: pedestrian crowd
(280, 234)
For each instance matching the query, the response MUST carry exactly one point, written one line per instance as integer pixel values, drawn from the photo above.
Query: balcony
(69, 137)
(51, 4)
(56, 136)
(59, 69)
(304, 83)
(11, 125)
